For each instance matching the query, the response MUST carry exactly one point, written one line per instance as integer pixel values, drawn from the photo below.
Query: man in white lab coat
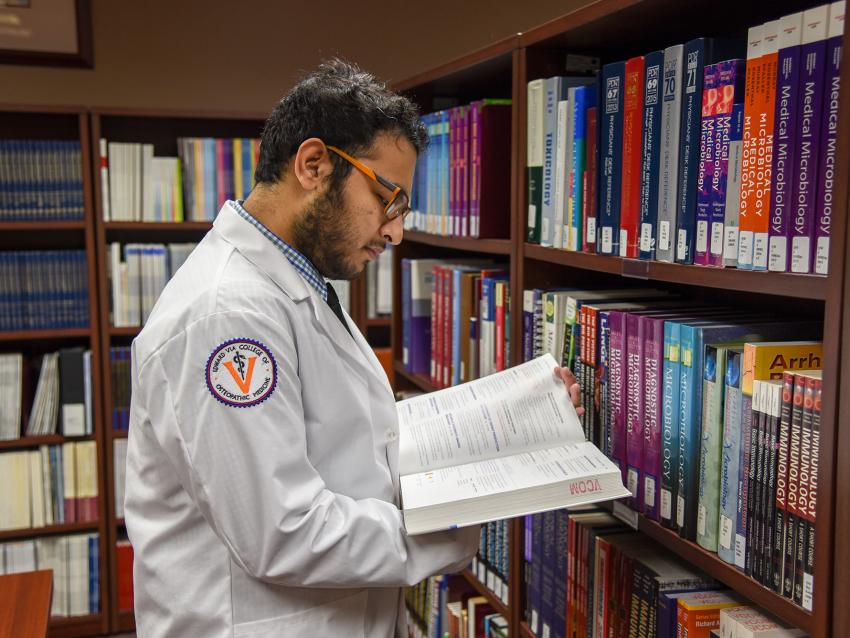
(262, 482)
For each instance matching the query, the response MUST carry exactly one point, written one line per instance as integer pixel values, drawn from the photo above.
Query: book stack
(491, 564)
(40, 180)
(462, 182)
(448, 607)
(694, 156)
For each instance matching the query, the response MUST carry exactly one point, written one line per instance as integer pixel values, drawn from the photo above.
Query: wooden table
(25, 604)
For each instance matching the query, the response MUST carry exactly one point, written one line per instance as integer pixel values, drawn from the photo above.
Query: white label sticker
(591, 230)
(664, 235)
(740, 550)
(800, 255)
(624, 242)
(649, 491)
(717, 239)
(666, 504)
(682, 245)
(760, 251)
(730, 243)
(808, 590)
(745, 248)
(646, 237)
(822, 256)
(632, 479)
(701, 516)
(532, 216)
(725, 532)
(702, 236)
(680, 511)
(607, 240)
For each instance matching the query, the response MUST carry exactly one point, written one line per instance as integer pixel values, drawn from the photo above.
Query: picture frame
(46, 33)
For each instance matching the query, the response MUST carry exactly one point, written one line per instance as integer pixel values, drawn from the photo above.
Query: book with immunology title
(503, 446)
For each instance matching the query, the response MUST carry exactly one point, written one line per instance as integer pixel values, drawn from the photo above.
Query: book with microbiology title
(503, 446)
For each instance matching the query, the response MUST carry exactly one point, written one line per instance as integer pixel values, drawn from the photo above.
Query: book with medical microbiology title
(502, 446)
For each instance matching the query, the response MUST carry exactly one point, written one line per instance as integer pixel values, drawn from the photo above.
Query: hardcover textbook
(506, 445)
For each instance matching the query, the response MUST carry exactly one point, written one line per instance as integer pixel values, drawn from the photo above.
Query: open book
(506, 445)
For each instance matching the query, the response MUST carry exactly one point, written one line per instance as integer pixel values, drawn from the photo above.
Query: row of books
(682, 155)
(491, 565)
(653, 372)
(62, 402)
(43, 289)
(379, 285)
(588, 575)
(462, 181)
(455, 319)
(137, 275)
(41, 180)
(75, 562)
(448, 607)
(138, 186)
(51, 485)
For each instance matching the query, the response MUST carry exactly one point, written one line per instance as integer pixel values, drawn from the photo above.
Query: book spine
(474, 163)
(755, 75)
(725, 165)
(711, 442)
(670, 426)
(690, 399)
(793, 512)
(527, 325)
(454, 226)
(773, 407)
(436, 324)
(812, 76)
(744, 482)
(591, 178)
(811, 511)
(669, 163)
(733, 187)
(785, 143)
(617, 390)
(653, 399)
(803, 491)
(534, 159)
(631, 157)
(829, 138)
(780, 507)
(603, 376)
(560, 180)
(634, 409)
(708, 147)
(610, 173)
(756, 484)
(689, 153)
(731, 457)
(550, 144)
(579, 128)
(650, 153)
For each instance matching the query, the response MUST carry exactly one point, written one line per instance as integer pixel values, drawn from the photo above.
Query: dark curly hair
(345, 107)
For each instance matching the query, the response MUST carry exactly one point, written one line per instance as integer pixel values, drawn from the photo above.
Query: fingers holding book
(572, 386)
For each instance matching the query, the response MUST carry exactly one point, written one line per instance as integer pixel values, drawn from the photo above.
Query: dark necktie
(333, 302)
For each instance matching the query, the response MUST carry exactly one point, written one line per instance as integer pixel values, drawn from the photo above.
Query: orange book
(757, 159)
(124, 567)
(698, 613)
(632, 147)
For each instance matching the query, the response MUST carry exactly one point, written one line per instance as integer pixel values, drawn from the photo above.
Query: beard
(323, 235)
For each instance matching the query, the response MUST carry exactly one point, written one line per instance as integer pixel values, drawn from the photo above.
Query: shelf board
(117, 434)
(45, 335)
(49, 530)
(74, 626)
(525, 630)
(379, 322)
(124, 331)
(35, 226)
(420, 380)
(711, 564)
(155, 231)
(491, 246)
(157, 226)
(45, 439)
(772, 283)
(482, 589)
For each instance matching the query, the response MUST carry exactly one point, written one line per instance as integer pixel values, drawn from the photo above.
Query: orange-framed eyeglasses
(398, 204)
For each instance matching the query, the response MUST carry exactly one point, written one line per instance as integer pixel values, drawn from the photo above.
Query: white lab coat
(278, 518)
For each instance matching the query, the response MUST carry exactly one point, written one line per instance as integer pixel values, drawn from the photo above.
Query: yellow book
(69, 482)
(238, 188)
(177, 193)
(767, 360)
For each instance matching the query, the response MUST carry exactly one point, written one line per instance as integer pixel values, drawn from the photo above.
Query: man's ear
(312, 164)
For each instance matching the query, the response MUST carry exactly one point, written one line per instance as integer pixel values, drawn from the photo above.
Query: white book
(133, 259)
(87, 392)
(36, 484)
(78, 575)
(20, 557)
(47, 557)
(11, 386)
(46, 485)
(119, 462)
(103, 147)
(506, 445)
(560, 174)
(534, 146)
(147, 181)
(668, 177)
(552, 95)
(384, 301)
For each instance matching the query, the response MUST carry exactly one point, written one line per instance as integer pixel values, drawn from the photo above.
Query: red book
(124, 568)
(632, 139)
(448, 311)
(436, 316)
(590, 177)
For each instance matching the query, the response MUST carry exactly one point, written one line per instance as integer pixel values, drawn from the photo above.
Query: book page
(522, 409)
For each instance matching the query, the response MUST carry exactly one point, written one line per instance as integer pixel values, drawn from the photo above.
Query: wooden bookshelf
(483, 590)
(617, 30)
(66, 123)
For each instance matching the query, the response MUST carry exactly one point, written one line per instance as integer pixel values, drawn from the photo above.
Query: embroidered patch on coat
(241, 373)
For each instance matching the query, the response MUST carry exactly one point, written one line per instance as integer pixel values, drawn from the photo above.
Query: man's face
(343, 228)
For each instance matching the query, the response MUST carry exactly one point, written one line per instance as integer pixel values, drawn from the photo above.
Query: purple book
(634, 409)
(829, 137)
(653, 390)
(454, 133)
(813, 64)
(617, 388)
(730, 88)
(784, 185)
(419, 329)
(463, 171)
(474, 165)
(707, 141)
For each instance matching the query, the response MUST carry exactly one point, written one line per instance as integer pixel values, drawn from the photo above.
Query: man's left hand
(572, 386)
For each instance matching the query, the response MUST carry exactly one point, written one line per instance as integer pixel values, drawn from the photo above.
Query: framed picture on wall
(46, 32)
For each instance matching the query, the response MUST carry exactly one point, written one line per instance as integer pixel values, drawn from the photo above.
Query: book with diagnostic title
(506, 445)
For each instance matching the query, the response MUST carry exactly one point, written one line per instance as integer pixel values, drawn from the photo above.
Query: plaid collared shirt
(306, 269)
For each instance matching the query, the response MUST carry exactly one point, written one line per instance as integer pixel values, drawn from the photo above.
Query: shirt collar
(303, 265)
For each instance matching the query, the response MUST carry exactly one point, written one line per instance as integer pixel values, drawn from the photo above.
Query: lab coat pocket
(343, 617)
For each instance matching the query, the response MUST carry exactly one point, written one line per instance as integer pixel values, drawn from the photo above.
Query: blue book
(602, 356)
(210, 194)
(689, 150)
(534, 601)
(94, 574)
(670, 425)
(611, 156)
(585, 98)
(651, 153)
